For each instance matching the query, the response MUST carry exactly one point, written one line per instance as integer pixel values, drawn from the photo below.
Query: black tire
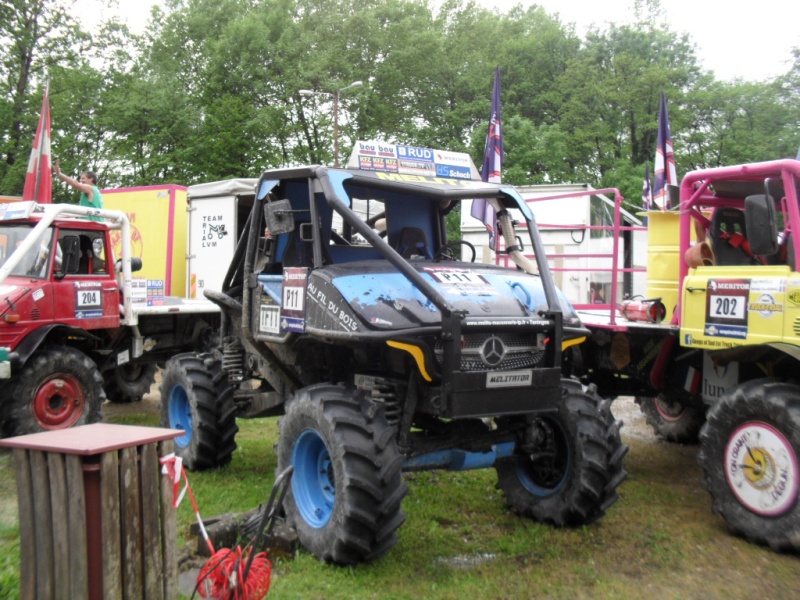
(578, 465)
(129, 382)
(673, 418)
(197, 398)
(616, 449)
(347, 486)
(59, 387)
(749, 449)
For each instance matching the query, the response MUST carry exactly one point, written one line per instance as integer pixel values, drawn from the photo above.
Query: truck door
(88, 295)
(733, 306)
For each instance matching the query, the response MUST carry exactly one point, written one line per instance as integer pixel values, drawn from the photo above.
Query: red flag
(39, 179)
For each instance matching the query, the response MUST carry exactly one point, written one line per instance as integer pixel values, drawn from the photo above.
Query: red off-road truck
(72, 334)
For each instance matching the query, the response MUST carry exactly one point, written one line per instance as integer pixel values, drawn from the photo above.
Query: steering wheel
(448, 251)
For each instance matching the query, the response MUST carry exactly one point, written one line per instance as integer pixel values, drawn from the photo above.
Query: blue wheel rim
(542, 484)
(180, 414)
(313, 482)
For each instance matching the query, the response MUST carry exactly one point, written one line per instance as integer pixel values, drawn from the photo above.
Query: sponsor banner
(88, 314)
(730, 331)
(765, 306)
(768, 285)
(155, 292)
(506, 322)
(411, 160)
(717, 379)
(416, 167)
(461, 159)
(415, 154)
(454, 172)
(293, 324)
(376, 149)
(377, 163)
(138, 290)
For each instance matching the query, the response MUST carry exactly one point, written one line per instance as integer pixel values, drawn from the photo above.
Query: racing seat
(86, 261)
(729, 238)
(413, 242)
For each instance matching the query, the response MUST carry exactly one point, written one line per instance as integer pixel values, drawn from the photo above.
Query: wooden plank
(109, 516)
(131, 523)
(42, 525)
(76, 524)
(151, 524)
(58, 504)
(169, 529)
(27, 535)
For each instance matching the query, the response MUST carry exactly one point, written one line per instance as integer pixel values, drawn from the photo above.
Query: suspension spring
(233, 358)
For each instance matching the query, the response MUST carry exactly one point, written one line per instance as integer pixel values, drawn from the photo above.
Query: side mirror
(70, 254)
(279, 217)
(762, 228)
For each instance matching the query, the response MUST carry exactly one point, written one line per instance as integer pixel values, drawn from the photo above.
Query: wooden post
(27, 558)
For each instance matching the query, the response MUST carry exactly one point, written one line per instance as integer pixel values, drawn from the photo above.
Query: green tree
(37, 37)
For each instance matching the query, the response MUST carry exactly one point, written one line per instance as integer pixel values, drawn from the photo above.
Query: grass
(459, 541)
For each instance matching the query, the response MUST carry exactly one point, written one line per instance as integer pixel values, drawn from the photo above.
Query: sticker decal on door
(88, 301)
(726, 308)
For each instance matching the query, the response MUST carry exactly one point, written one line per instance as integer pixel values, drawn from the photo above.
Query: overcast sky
(751, 40)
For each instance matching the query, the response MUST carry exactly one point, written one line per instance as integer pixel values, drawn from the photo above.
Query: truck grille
(496, 352)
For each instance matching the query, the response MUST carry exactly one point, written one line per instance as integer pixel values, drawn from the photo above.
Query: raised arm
(85, 184)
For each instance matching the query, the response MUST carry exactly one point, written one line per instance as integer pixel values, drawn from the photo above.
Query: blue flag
(492, 164)
(647, 193)
(798, 154)
(664, 170)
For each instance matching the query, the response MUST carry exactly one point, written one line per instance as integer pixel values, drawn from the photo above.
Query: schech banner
(410, 160)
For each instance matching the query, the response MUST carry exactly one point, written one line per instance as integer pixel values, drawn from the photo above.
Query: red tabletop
(91, 439)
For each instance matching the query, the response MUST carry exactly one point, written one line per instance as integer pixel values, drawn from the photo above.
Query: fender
(32, 341)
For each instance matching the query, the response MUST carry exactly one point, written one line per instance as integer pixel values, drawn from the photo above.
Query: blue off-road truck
(347, 311)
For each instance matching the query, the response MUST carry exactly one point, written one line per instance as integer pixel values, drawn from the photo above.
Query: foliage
(211, 90)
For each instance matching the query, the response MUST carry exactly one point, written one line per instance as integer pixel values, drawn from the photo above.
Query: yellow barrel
(663, 242)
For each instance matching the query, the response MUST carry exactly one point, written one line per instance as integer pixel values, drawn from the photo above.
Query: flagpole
(492, 164)
(37, 188)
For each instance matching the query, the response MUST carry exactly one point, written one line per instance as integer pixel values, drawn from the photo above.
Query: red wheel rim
(59, 402)
(669, 411)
